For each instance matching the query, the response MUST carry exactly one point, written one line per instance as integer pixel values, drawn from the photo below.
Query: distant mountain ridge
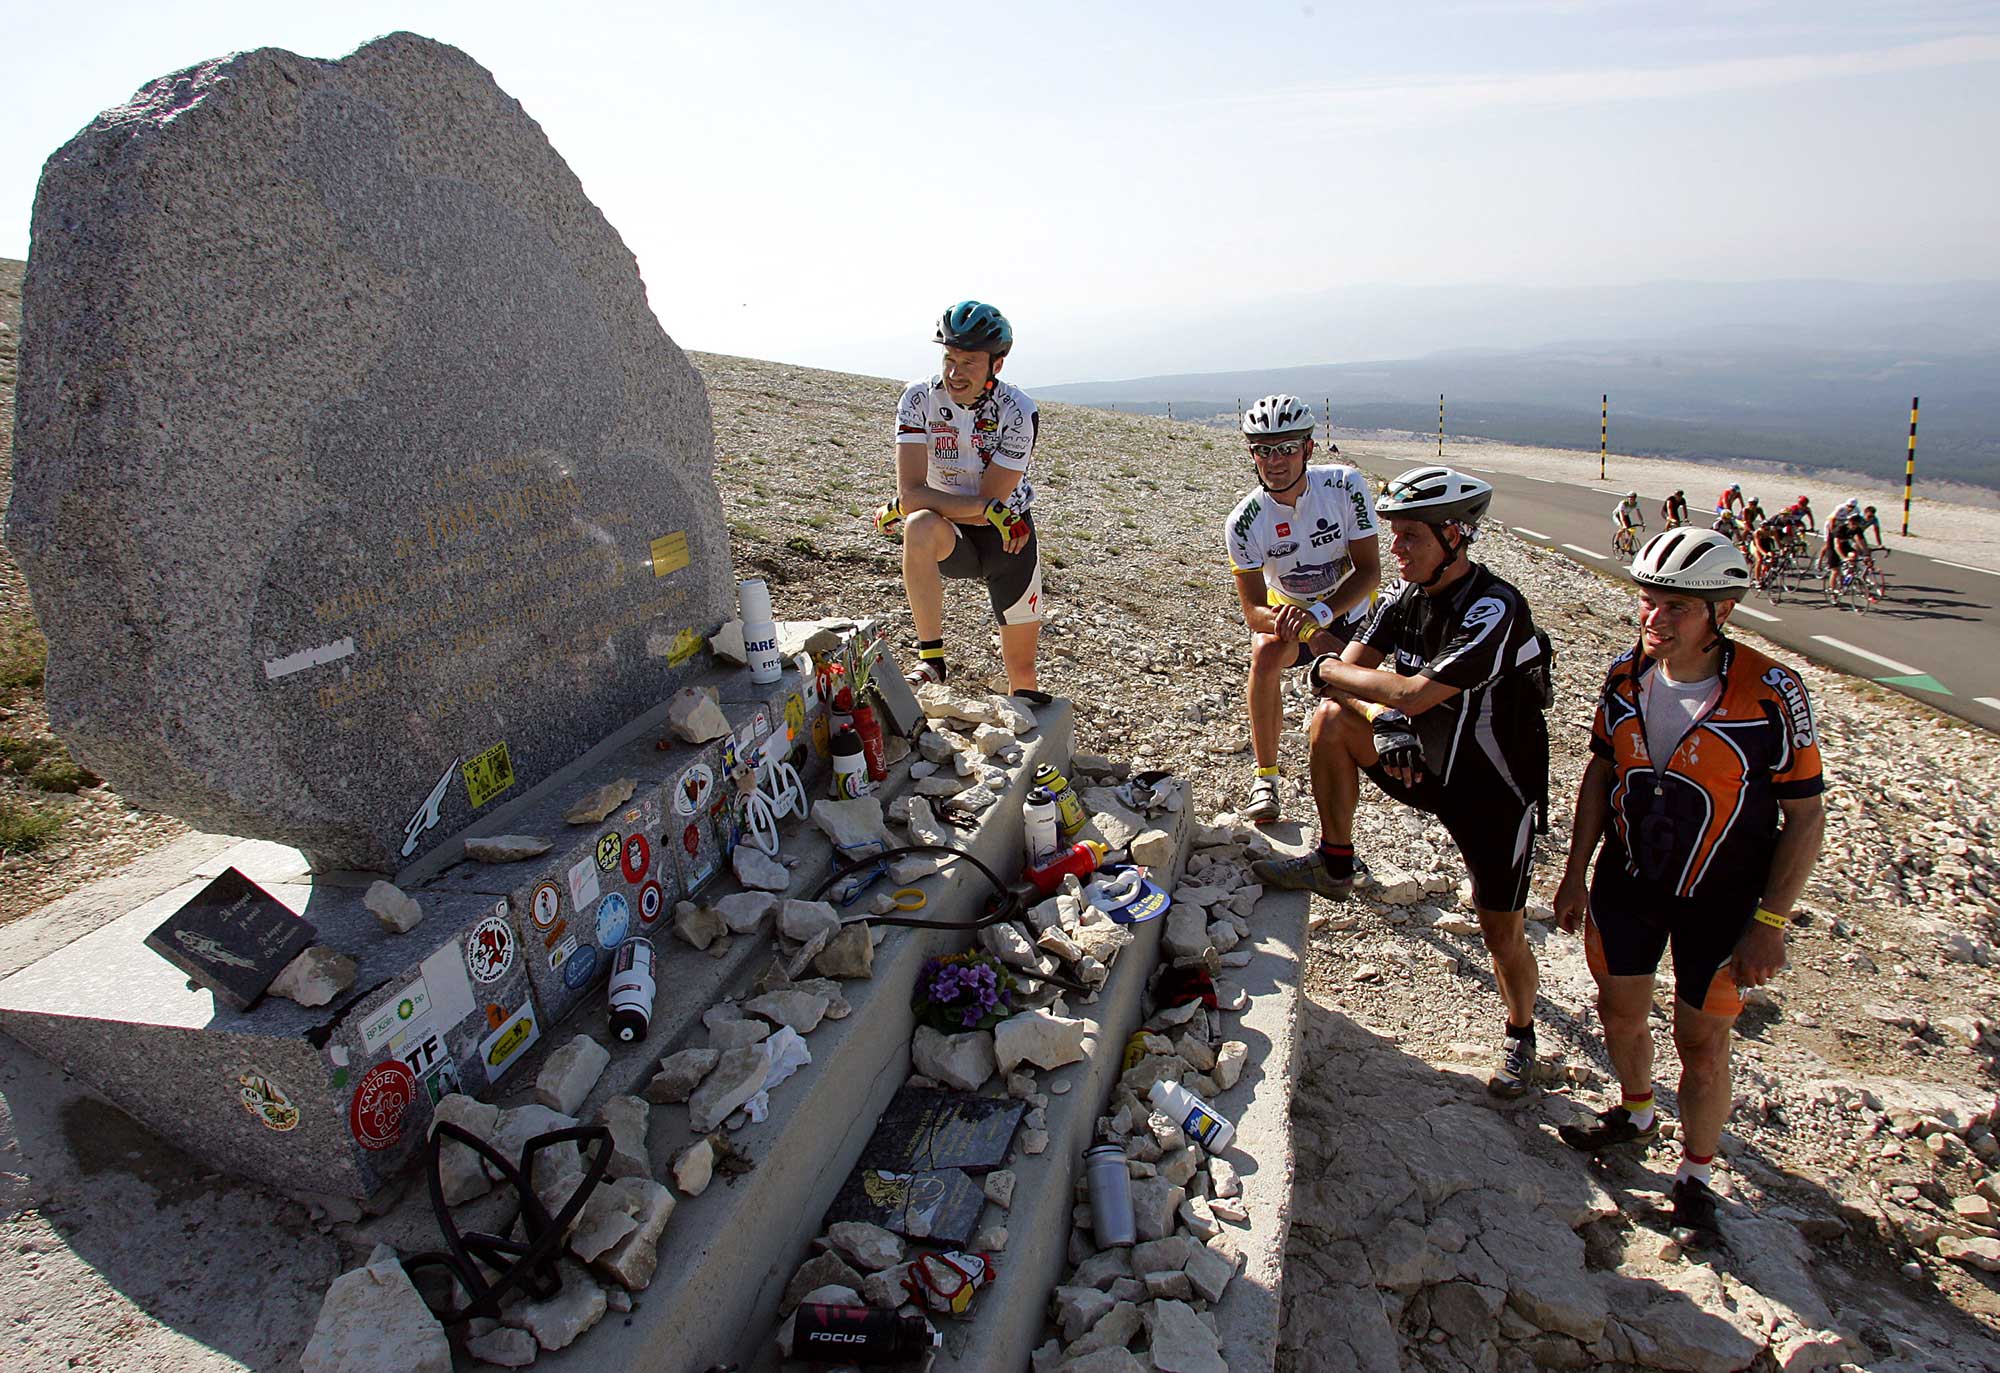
(1816, 374)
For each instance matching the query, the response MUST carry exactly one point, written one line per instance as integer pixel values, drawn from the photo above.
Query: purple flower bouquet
(963, 992)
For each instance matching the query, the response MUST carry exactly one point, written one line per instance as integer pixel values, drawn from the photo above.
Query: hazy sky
(814, 182)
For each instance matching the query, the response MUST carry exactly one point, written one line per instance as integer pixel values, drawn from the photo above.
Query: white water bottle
(760, 633)
(1040, 818)
(850, 767)
(1196, 1117)
(632, 990)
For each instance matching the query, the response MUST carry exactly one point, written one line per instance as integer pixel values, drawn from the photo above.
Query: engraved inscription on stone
(232, 938)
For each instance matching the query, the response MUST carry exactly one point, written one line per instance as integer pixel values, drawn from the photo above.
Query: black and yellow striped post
(1329, 421)
(1910, 467)
(1603, 432)
(1440, 426)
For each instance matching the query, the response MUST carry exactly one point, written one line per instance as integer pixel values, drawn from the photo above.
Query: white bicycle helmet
(1693, 562)
(1279, 415)
(1435, 495)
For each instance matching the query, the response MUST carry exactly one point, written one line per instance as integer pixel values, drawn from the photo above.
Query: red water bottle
(1081, 859)
(870, 730)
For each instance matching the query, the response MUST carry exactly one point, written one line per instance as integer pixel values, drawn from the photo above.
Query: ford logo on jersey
(1285, 549)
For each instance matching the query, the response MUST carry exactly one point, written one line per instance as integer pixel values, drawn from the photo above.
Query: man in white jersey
(964, 442)
(1303, 548)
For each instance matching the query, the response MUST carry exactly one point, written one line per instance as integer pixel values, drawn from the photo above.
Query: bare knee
(1504, 932)
(930, 533)
(1704, 1059)
(1270, 655)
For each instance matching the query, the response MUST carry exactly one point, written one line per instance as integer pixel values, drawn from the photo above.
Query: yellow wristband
(1776, 922)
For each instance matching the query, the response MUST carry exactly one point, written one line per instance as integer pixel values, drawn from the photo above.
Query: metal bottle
(632, 990)
(1065, 796)
(1110, 1196)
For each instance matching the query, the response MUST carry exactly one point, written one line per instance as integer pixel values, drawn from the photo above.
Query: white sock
(1690, 1169)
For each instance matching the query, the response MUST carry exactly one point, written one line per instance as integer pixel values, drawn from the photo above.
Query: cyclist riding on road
(1626, 522)
(964, 443)
(1304, 551)
(1753, 515)
(1674, 510)
(1730, 501)
(1766, 542)
(1801, 511)
(1846, 551)
(1869, 521)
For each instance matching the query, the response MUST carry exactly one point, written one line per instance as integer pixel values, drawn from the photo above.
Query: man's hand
(1760, 953)
(1291, 622)
(1397, 746)
(889, 518)
(1572, 902)
(1013, 528)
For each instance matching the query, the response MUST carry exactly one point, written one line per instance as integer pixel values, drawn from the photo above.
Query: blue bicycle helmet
(976, 328)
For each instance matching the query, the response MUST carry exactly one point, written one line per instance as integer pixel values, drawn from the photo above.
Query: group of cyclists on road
(1781, 559)
(1699, 814)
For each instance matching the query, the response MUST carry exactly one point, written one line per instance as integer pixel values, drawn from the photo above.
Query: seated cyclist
(1674, 509)
(1870, 522)
(1626, 516)
(1801, 512)
(1727, 525)
(1846, 547)
(1304, 551)
(1850, 506)
(1753, 514)
(964, 442)
(1730, 501)
(1766, 542)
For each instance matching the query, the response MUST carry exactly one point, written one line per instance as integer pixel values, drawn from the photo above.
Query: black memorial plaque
(928, 1128)
(938, 1205)
(233, 939)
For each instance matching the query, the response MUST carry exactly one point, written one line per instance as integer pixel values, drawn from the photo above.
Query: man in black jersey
(1456, 730)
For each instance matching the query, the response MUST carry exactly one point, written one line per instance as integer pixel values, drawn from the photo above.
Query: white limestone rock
(506, 848)
(569, 1073)
(725, 1035)
(504, 1348)
(727, 644)
(1229, 1061)
(632, 1262)
(1186, 932)
(738, 1076)
(373, 1318)
(680, 1074)
(851, 953)
(694, 717)
(926, 828)
(520, 1124)
(806, 920)
(869, 1248)
(599, 802)
(460, 1170)
(999, 1187)
(1154, 849)
(1037, 1037)
(698, 926)
(794, 1009)
(315, 977)
(744, 911)
(855, 826)
(557, 1322)
(1006, 943)
(394, 909)
(1182, 1342)
(627, 1118)
(757, 871)
(961, 1061)
(694, 1167)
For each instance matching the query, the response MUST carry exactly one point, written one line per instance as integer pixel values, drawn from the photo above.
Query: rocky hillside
(1431, 1230)
(1861, 1142)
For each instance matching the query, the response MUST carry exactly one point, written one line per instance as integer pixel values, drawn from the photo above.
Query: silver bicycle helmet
(1693, 562)
(1435, 495)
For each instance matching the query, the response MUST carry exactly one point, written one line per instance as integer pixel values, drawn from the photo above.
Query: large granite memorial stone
(356, 485)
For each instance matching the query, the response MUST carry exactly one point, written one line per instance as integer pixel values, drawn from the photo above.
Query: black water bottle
(829, 1333)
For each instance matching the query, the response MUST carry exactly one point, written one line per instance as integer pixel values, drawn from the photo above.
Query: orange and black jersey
(1701, 822)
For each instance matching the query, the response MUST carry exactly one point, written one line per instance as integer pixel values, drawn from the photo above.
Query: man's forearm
(953, 505)
(1369, 684)
(1593, 813)
(1792, 859)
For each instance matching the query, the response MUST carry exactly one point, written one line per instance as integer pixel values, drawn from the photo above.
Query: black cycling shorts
(1495, 837)
(1013, 580)
(1633, 921)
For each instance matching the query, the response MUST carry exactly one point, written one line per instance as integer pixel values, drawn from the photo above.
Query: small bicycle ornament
(777, 793)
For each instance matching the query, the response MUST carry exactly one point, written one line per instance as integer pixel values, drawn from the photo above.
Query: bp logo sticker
(609, 844)
(375, 1114)
(614, 920)
(578, 967)
(652, 901)
(635, 858)
(489, 949)
(546, 906)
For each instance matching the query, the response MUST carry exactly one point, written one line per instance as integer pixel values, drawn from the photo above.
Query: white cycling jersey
(1302, 548)
(963, 442)
(1627, 516)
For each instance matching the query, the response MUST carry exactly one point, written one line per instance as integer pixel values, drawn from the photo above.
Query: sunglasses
(1289, 449)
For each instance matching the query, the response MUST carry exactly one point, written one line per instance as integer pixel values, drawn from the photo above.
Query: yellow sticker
(670, 553)
(686, 644)
(488, 774)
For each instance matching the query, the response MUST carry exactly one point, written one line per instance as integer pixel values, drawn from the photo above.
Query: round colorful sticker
(380, 1098)
(266, 1100)
(614, 920)
(578, 967)
(546, 906)
(489, 949)
(691, 840)
(691, 794)
(652, 901)
(635, 858)
(608, 845)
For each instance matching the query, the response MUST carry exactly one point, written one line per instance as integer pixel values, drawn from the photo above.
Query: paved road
(1936, 639)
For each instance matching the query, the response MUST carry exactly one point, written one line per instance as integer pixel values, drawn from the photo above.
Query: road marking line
(1531, 533)
(1755, 614)
(1965, 567)
(1846, 647)
(1586, 552)
(1993, 701)
(1548, 481)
